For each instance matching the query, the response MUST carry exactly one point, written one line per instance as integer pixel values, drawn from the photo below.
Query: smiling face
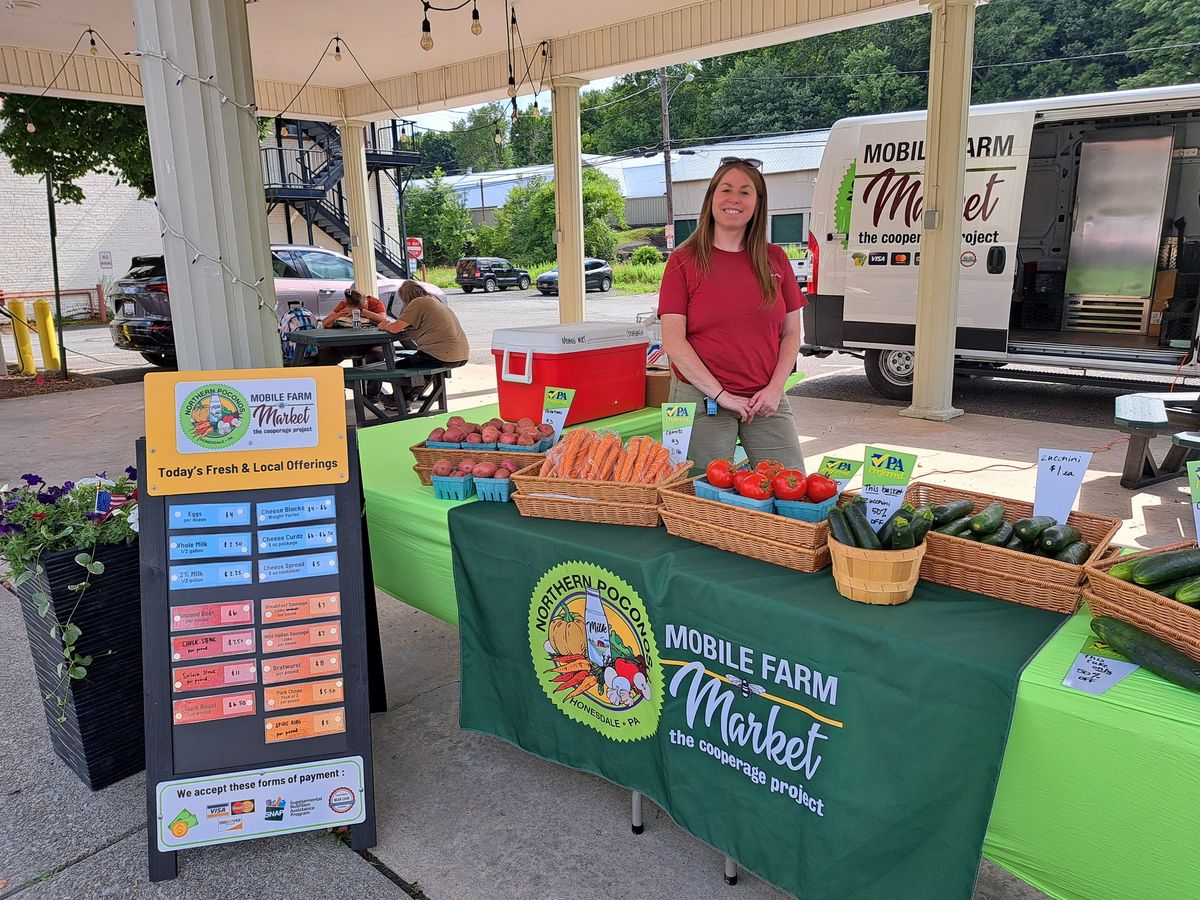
(734, 200)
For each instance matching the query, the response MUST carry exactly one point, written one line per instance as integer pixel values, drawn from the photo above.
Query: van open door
(882, 251)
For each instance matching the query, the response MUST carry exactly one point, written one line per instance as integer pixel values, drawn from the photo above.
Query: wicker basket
(427, 456)
(1059, 598)
(603, 512)
(880, 577)
(801, 559)
(1175, 623)
(680, 498)
(1096, 530)
(530, 484)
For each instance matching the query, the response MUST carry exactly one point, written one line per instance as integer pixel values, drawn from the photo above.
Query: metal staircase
(309, 178)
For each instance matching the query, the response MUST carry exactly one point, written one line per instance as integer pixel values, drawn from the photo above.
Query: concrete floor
(460, 815)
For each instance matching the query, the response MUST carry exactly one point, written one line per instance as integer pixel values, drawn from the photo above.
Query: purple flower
(11, 529)
(50, 495)
(68, 486)
(33, 480)
(93, 516)
(131, 473)
(12, 504)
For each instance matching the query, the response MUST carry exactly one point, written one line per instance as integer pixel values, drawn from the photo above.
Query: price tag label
(677, 419)
(1059, 476)
(555, 408)
(1097, 667)
(839, 470)
(886, 474)
(1193, 470)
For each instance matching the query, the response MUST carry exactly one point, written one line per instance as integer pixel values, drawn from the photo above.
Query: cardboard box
(658, 387)
(1164, 290)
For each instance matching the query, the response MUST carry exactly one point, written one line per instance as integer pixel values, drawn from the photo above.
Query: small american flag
(106, 502)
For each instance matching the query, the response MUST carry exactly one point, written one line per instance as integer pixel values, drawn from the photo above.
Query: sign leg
(162, 865)
(730, 870)
(636, 819)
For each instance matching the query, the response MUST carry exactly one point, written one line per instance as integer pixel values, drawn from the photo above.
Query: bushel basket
(1176, 623)
(879, 577)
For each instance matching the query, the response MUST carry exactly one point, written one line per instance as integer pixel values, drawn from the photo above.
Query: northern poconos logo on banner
(259, 414)
(594, 652)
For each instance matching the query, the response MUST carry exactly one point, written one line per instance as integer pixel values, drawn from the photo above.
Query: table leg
(730, 870)
(636, 817)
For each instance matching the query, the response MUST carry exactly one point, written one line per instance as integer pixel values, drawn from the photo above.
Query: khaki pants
(714, 437)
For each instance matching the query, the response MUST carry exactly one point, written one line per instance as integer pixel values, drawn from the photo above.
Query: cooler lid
(570, 338)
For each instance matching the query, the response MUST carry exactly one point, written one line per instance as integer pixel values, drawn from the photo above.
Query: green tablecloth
(894, 718)
(410, 544)
(1099, 797)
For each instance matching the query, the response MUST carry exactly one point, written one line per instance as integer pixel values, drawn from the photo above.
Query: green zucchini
(1148, 652)
(989, 520)
(1000, 537)
(955, 528)
(1058, 537)
(864, 537)
(1076, 554)
(945, 513)
(889, 527)
(1030, 528)
(921, 524)
(1124, 570)
(838, 527)
(1015, 543)
(1188, 592)
(902, 539)
(1166, 566)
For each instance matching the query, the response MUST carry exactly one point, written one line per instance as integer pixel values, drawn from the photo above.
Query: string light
(514, 110)
(536, 112)
(209, 80)
(496, 137)
(512, 85)
(476, 25)
(92, 42)
(30, 127)
(426, 31)
(337, 48)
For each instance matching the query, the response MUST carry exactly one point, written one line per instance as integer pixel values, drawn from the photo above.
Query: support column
(951, 44)
(568, 195)
(358, 205)
(208, 181)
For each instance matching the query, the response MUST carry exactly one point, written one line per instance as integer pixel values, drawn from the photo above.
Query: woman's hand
(740, 406)
(766, 401)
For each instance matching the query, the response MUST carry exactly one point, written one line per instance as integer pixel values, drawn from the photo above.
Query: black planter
(102, 739)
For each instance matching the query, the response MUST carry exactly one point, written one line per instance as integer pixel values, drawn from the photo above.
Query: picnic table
(424, 388)
(1146, 416)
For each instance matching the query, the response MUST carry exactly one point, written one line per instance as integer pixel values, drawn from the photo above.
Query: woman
(430, 325)
(730, 313)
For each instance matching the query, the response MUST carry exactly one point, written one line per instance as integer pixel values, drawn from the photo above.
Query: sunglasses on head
(756, 163)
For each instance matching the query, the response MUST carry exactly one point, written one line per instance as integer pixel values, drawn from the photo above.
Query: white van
(1080, 248)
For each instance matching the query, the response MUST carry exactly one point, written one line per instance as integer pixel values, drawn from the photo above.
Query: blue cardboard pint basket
(805, 512)
(708, 491)
(443, 445)
(447, 488)
(735, 499)
(498, 490)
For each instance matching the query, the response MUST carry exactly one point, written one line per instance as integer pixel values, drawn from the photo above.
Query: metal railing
(296, 167)
(388, 136)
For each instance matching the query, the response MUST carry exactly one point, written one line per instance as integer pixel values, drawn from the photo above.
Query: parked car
(316, 277)
(597, 276)
(490, 273)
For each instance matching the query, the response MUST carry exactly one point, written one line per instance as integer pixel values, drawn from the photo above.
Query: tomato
(789, 484)
(720, 473)
(821, 488)
(741, 475)
(770, 467)
(756, 486)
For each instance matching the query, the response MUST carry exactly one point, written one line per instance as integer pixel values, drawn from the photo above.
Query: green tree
(1165, 22)
(525, 223)
(532, 140)
(437, 214)
(474, 140)
(437, 152)
(74, 137)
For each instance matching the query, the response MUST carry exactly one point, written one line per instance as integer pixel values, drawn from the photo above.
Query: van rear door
(883, 251)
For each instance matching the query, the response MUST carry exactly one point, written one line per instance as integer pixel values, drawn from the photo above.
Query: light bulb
(92, 49)
(512, 87)
(496, 137)
(337, 50)
(31, 128)
(403, 136)
(476, 25)
(426, 35)
(536, 112)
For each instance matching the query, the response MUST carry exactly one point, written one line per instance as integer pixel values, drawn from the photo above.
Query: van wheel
(891, 372)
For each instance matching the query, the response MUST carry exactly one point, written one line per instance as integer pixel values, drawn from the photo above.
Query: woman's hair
(699, 243)
(410, 291)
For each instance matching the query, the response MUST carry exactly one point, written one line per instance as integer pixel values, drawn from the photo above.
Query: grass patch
(635, 278)
(631, 235)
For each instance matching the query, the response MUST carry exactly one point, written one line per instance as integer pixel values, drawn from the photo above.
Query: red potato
(436, 434)
(502, 473)
(466, 466)
(545, 430)
(485, 470)
(511, 464)
(443, 467)
(526, 422)
(508, 427)
(455, 420)
(457, 474)
(527, 439)
(472, 428)
(491, 435)
(454, 435)
(474, 439)
(507, 437)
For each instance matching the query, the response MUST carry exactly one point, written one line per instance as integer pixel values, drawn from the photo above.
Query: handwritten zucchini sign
(886, 474)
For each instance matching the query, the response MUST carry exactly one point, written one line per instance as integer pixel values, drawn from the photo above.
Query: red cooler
(605, 362)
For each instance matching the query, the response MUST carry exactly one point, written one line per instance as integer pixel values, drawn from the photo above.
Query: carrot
(569, 447)
(578, 679)
(672, 471)
(579, 665)
(643, 460)
(586, 685)
(631, 454)
(660, 458)
(579, 460)
(604, 473)
(603, 456)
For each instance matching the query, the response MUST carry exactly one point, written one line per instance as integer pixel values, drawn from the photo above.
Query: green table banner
(835, 749)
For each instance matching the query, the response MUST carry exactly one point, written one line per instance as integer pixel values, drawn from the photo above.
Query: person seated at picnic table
(431, 326)
(372, 312)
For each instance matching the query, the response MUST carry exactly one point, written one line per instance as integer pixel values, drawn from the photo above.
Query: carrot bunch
(599, 456)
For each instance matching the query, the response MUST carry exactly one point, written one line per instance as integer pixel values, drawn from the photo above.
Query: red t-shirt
(732, 334)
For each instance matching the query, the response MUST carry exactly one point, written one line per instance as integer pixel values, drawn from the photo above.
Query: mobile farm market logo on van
(594, 652)
(214, 416)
